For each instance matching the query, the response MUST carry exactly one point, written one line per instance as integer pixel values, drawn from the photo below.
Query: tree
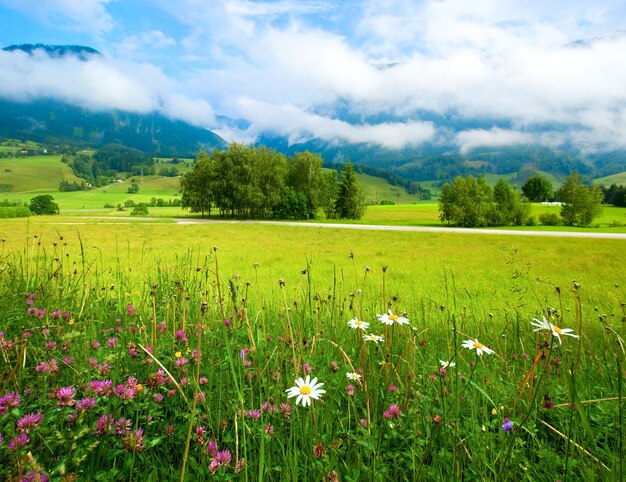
(197, 193)
(350, 202)
(537, 189)
(43, 204)
(467, 202)
(580, 203)
(509, 207)
(305, 176)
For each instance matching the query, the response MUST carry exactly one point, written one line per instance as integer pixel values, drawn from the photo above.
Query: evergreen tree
(350, 202)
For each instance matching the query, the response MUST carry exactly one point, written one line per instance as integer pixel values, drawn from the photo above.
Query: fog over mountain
(403, 76)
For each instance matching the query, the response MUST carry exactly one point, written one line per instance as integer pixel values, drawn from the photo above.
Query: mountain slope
(51, 121)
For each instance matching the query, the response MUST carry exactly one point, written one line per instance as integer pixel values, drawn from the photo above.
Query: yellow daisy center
(480, 346)
(556, 329)
(358, 322)
(305, 390)
(393, 317)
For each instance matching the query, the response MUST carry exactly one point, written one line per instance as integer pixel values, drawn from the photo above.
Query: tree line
(471, 202)
(260, 183)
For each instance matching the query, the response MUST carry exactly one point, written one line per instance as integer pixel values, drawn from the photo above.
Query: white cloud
(301, 126)
(97, 84)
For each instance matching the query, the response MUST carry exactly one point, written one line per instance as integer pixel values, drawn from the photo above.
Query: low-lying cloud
(98, 83)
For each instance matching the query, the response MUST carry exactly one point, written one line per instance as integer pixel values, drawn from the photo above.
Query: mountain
(56, 51)
(53, 122)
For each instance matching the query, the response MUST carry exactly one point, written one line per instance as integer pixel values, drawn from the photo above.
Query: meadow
(143, 350)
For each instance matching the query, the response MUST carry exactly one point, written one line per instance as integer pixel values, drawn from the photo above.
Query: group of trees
(471, 202)
(248, 182)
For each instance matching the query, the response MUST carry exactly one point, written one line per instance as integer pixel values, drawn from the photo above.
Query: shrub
(549, 219)
(141, 210)
(14, 212)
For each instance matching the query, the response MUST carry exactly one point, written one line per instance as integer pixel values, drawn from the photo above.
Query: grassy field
(619, 179)
(33, 175)
(140, 351)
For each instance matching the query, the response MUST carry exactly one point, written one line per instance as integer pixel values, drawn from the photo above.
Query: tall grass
(173, 368)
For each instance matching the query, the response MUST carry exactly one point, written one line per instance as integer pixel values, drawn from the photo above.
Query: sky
(390, 73)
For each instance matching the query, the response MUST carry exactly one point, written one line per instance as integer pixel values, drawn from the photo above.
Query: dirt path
(415, 229)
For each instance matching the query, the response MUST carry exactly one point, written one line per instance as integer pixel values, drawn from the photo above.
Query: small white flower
(374, 338)
(305, 390)
(446, 364)
(355, 323)
(353, 376)
(556, 331)
(389, 319)
(479, 347)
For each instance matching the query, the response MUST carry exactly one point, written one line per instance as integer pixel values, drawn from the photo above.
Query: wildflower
(355, 323)
(122, 426)
(392, 412)
(374, 338)
(307, 368)
(51, 345)
(18, 442)
(319, 450)
(158, 398)
(436, 419)
(446, 364)
(133, 440)
(131, 310)
(305, 390)
(475, 344)
(35, 476)
(556, 331)
(393, 388)
(363, 422)
(285, 410)
(223, 457)
(389, 319)
(86, 404)
(240, 465)
(507, 425)
(350, 390)
(269, 430)
(29, 422)
(200, 433)
(353, 376)
(333, 366)
(103, 425)
(211, 448)
(65, 395)
(112, 341)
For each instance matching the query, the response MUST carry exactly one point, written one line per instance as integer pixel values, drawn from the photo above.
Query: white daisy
(356, 323)
(374, 338)
(475, 344)
(446, 364)
(556, 331)
(353, 376)
(389, 319)
(305, 390)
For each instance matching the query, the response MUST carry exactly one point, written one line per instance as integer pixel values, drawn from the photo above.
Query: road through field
(415, 229)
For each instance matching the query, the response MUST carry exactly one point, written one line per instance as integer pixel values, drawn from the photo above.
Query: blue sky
(548, 72)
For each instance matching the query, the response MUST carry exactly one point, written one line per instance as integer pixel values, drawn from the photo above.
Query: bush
(549, 219)
(14, 212)
(43, 204)
(141, 210)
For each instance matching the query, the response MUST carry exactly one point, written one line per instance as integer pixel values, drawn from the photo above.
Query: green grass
(25, 176)
(287, 294)
(377, 189)
(619, 179)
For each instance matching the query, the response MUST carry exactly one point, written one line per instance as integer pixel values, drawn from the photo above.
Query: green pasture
(420, 265)
(377, 189)
(33, 175)
(619, 179)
